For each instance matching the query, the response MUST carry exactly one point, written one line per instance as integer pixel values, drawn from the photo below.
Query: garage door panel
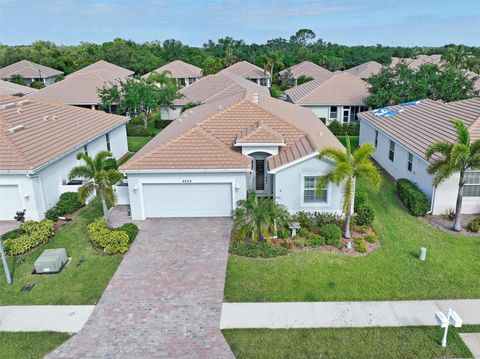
(187, 200)
(10, 201)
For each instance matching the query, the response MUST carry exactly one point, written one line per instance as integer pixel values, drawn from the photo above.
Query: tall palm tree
(454, 157)
(348, 167)
(100, 178)
(258, 217)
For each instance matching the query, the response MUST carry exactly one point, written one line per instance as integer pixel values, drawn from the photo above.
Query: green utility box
(51, 261)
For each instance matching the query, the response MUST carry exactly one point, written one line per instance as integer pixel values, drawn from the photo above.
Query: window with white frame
(263, 82)
(333, 112)
(310, 194)
(410, 162)
(376, 138)
(107, 138)
(472, 184)
(391, 151)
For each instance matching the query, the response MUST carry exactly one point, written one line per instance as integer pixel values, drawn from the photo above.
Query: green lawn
(354, 140)
(276, 91)
(75, 284)
(392, 272)
(135, 143)
(32, 345)
(346, 343)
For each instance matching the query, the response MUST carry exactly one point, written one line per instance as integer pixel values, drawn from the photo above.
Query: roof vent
(54, 117)
(16, 129)
(255, 97)
(45, 118)
(19, 110)
(8, 105)
(23, 102)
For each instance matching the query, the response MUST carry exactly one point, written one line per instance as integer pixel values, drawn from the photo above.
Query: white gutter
(192, 170)
(259, 144)
(311, 155)
(432, 202)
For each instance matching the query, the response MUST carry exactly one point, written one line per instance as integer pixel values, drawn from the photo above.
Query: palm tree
(454, 157)
(99, 176)
(258, 217)
(348, 167)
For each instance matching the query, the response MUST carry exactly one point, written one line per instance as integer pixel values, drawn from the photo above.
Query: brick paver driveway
(165, 299)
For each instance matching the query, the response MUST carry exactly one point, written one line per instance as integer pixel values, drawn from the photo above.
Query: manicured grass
(342, 343)
(75, 284)
(135, 143)
(392, 272)
(354, 140)
(32, 345)
(276, 91)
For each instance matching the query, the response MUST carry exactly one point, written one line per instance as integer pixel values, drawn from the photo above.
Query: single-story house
(185, 74)
(307, 69)
(30, 71)
(39, 141)
(13, 89)
(80, 88)
(211, 88)
(334, 97)
(214, 154)
(251, 72)
(365, 70)
(402, 135)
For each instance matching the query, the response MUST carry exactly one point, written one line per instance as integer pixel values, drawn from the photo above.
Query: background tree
(109, 97)
(349, 167)
(100, 178)
(211, 66)
(19, 80)
(302, 79)
(454, 158)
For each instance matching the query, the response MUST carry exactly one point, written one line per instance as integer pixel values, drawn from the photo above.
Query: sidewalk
(472, 340)
(344, 314)
(39, 318)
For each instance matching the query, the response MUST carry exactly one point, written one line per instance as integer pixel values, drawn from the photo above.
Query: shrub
(288, 242)
(33, 234)
(323, 218)
(360, 245)
(111, 241)
(371, 238)
(303, 232)
(361, 197)
(474, 225)
(261, 249)
(161, 124)
(365, 215)
(342, 129)
(332, 234)
(14, 233)
(51, 214)
(315, 240)
(305, 219)
(450, 214)
(300, 242)
(130, 229)
(137, 130)
(68, 203)
(283, 233)
(414, 199)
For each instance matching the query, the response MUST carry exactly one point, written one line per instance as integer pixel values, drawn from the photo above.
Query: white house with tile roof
(213, 154)
(13, 89)
(365, 70)
(307, 69)
(38, 144)
(334, 97)
(184, 73)
(402, 135)
(31, 72)
(251, 72)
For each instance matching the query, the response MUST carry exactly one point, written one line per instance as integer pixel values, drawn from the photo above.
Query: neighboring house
(212, 155)
(307, 69)
(80, 88)
(365, 70)
(333, 97)
(211, 88)
(12, 89)
(251, 72)
(402, 135)
(31, 72)
(184, 73)
(38, 144)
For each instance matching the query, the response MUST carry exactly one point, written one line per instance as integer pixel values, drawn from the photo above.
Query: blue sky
(367, 22)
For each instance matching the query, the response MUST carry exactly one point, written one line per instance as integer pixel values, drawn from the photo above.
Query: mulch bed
(445, 224)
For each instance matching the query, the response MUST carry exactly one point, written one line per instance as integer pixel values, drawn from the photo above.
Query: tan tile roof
(50, 130)
(418, 126)
(179, 69)
(214, 87)
(247, 70)
(365, 70)
(306, 68)
(104, 65)
(79, 88)
(10, 88)
(224, 120)
(333, 89)
(259, 132)
(415, 62)
(28, 70)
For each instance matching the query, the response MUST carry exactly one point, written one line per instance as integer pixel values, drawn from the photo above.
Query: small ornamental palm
(457, 157)
(348, 167)
(257, 217)
(100, 177)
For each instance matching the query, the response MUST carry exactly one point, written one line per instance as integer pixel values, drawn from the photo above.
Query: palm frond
(442, 173)
(334, 154)
(100, 158)
(86, 191)
(363, 153)
(463, 135)
(442, 147)
(369, 171)
(80, 172)
(88, 161)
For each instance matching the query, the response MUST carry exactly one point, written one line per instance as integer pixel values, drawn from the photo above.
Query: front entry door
(260, 175)
(346, 114)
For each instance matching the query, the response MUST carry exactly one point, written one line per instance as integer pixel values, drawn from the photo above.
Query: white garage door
(9, 202)
(187, 200)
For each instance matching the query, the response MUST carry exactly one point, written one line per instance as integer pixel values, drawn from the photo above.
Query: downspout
(44, 207)
(432, 202)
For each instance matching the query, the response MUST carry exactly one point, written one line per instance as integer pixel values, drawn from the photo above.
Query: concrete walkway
(39, 318)
(344, 314)
(472, 341)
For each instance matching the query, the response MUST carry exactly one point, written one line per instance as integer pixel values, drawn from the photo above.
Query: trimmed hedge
(344, 129)
(332, 234)
(112, 241)
(161, 124)
(14, 233)
(137, 130)
(474, 225)
(365, 214)
(361, 197)
(34, 234)
(67, 203)
(261, 249)
(414, 199)
(130, 229)
(315, 240)
(360, 245)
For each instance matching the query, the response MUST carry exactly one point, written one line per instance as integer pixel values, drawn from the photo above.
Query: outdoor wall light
(26, 195)
(237, 187)
(135, 188)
